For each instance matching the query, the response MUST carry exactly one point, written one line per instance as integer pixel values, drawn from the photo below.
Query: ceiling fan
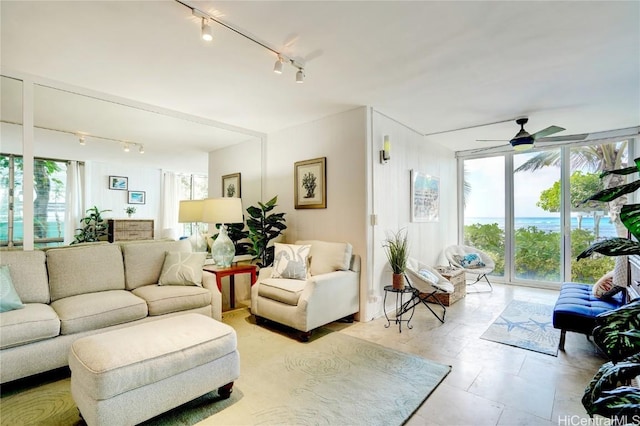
(524, 141)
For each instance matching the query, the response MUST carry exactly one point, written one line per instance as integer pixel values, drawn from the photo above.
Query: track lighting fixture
(126, 147)
(277, 67)
(207, 34)
(206, 19)
(82, 141)
(141, 149)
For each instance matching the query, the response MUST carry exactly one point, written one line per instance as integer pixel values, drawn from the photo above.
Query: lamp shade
(222, 210)
(190, 211)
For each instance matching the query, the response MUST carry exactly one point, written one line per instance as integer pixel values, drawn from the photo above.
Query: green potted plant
(93, 227)
(397, 250)
(264, 227)
(130, 210)
(616, 333)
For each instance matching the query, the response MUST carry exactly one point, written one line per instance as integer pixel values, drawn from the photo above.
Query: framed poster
(137, 197)
(120, 183)
(310, 189)
(231, 186)
(425, 197)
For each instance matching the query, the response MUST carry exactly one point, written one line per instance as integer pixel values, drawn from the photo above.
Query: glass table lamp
(222, 210)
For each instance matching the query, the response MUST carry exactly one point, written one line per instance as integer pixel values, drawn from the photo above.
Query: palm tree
(592, 158)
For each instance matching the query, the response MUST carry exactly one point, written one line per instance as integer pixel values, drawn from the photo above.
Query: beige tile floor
(490, 383)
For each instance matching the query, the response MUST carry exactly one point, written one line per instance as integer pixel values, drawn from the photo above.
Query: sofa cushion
(143, 260)
(9, 299)
(328, 256)
(85, 269)
(36, 321)
(290, 261)
(28, 274)
(282, 289)
(91, 311)
(182, 268)
(166, 299)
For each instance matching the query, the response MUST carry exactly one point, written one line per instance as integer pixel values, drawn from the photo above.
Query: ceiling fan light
(522, 144)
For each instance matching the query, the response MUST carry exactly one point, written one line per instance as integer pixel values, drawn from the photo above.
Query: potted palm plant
(397, 251)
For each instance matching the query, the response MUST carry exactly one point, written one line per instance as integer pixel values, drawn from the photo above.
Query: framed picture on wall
(310, 178)
(425, 197)
(120, 183)
(231, 186)
(137, 197)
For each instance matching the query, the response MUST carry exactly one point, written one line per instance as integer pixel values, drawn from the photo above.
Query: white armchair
(329, 290)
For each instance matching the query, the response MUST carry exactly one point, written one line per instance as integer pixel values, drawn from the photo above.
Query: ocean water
(552, 224)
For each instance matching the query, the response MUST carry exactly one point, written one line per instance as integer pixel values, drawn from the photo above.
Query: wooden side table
(231, 272)
(459, 281)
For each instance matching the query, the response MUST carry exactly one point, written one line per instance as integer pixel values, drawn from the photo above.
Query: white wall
(341, 138)
(391, 199)
(99, 194)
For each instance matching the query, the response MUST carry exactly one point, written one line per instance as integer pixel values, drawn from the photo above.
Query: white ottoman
(126, 376)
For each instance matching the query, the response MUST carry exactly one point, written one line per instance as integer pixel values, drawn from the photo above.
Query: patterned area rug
(525, 325)
(334, 379)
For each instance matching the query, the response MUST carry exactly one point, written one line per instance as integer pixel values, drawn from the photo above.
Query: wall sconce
(385, 154)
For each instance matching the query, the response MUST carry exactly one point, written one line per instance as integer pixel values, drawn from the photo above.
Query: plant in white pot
(397, 251)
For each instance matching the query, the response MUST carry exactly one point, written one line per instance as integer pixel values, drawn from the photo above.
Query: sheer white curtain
(74, 200)
(169, 210)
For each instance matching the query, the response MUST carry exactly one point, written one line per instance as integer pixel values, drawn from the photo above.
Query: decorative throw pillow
(428, 275)
(290, 261)
(9, 299)
(604, 284)
(472, 260)
(182, 268)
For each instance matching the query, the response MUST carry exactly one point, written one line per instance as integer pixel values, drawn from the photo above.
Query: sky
(486, 199)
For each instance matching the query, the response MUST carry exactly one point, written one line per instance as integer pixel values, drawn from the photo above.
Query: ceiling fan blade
(566, 138)
(548, 131)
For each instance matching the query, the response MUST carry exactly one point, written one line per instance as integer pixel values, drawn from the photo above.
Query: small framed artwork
(120, 183)
(425, 197)
(311, 184)
(231, 186)
(137, 197)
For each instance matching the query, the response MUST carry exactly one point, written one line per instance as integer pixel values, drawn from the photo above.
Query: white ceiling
(434, 66)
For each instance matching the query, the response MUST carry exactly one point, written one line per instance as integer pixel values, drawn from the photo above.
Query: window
(192, 187)
(49, 201)
(517, 206)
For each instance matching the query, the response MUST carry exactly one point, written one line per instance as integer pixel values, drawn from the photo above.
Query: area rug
(334, 379)
(526, 325)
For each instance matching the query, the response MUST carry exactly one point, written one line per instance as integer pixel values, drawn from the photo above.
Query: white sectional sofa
(326, 291)
(76, 291)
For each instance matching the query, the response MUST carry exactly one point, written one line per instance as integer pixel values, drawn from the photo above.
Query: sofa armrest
(331, 296)
(209, 282)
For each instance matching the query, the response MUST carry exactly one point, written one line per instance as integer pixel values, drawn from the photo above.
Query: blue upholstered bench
(576, 309)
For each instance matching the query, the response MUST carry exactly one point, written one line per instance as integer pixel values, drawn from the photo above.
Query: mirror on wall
(85, 138)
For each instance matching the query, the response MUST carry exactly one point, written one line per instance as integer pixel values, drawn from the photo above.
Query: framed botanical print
(137, 197)
(425, 197)
(120, 183)
(311, 184)
(231, 186)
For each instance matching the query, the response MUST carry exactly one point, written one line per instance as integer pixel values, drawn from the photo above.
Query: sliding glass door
(527, 210)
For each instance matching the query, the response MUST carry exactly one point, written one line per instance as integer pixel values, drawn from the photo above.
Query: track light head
(82, 140)
(300, 76)
(277, 67)
(207, 34)
(125, 147)
(141, 149)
